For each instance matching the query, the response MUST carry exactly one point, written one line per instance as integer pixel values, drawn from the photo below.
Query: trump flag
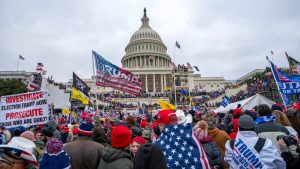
(110, 75)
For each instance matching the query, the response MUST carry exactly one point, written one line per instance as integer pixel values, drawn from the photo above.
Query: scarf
(264, 119)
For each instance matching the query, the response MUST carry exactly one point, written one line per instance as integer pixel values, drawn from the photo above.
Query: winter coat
(220, 137)
(245, 156)
(84, 153)
(235, 122)
(99, 136)
(212, 152)
(271, 130)
(115, 159)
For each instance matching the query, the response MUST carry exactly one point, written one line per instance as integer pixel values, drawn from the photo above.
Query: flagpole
(93, 66)
(18, 63)
(276, 83)
(287, 56)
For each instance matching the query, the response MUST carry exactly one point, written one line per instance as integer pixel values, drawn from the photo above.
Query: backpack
(258, 146)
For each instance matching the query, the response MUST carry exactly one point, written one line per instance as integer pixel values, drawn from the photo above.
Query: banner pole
(276, 82)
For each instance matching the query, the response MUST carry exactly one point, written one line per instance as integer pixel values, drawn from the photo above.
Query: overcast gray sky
(222, 37)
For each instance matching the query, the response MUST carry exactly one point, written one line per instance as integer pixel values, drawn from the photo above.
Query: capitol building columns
(146, 56)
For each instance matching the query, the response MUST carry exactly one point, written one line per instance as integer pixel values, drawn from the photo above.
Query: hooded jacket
(245, 156)
(149, 156)
(115, 159)
(99, 136)
(84, 153)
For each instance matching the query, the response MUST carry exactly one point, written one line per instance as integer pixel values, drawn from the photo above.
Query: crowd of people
(266, 137)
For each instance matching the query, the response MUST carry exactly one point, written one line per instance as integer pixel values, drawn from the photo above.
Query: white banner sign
(24, 109)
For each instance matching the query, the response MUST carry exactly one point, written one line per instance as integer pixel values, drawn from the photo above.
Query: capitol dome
(145, 49)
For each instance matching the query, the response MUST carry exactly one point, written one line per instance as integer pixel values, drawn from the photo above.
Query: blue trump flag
(225, 101)
(287, 85)
(181, 148)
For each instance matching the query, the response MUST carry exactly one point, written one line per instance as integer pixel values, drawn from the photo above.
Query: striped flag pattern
(110, 75)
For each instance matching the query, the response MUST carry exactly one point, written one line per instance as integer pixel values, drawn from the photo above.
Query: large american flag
(181, 148)
(110, 75)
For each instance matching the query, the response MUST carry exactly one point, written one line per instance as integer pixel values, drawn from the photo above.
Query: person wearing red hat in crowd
(65, 134)
(166, 117)
(235, 122)
(117, 156)
(237, 112)
(136, 144)
(84, 152)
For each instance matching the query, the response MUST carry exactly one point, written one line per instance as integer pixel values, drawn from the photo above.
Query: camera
(288, 140)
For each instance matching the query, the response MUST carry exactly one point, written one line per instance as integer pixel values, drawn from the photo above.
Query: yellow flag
(74, 114)
(166, 106)
(79, 96)
(66, 111)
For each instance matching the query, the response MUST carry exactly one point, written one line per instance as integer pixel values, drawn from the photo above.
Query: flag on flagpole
(40, 68)
(172, 65)
(189, 66)
(177, 44)
(110, 75)
(77, 95)
(196, 67)
(272, 53)
(21, 57)
(80, 85)
(294, 65)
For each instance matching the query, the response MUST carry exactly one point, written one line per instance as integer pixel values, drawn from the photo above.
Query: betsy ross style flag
(80, 85)
(181, 148)
(294, 65)
(110, 75)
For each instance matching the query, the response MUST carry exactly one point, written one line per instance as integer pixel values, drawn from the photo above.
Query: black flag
(80, 85)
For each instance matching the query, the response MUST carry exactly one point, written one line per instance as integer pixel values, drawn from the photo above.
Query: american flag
(280, 75)
(110, 75)
(181, 148)
(40, 68)
(189, 66)
(172, 65)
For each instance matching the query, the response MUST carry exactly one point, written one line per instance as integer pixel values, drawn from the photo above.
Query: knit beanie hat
(246, 122)
(49, 129)
(139, 139)
(86, 128)
(200, 130)
(55, 156)
(166, 117)
(28, 134)
(120, 137)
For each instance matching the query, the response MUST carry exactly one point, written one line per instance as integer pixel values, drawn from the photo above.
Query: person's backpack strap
(231, 142)
(259, 144)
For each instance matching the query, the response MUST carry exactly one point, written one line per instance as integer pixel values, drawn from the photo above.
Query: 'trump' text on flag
(110, 75)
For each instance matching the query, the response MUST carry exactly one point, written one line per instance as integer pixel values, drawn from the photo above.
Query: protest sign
(24, 109)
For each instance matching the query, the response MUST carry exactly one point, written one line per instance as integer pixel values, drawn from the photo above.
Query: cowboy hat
(22, 148)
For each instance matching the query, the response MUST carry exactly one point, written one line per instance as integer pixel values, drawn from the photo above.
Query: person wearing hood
(210, 147)
(117, 156)
(250, 151)
(136, 131)
(50, 130)
(99, 133)
(149, 156)
(219, 136)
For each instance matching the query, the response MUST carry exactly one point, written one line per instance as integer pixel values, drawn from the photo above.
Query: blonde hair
(281, 118)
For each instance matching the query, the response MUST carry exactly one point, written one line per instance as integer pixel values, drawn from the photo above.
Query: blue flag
(225, 101)
(181, 148)
(287, 85)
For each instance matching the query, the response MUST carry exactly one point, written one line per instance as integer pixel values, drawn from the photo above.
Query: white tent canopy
(246, 104)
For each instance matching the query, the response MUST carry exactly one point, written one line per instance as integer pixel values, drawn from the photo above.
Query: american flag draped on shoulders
(110, 75)
(181, 148)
